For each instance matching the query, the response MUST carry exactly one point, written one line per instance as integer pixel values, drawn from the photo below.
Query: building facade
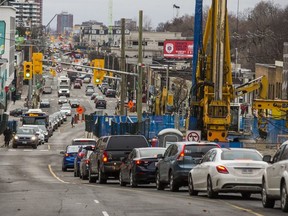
(64, 23)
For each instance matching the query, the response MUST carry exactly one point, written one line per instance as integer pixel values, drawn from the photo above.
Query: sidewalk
(11, 106)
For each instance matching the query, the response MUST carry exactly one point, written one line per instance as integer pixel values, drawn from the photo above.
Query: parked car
(110, 93)
(139, 166)
(25, 137)
(77, 86)
(105, 160)
(63, 113)
(101, 103)
(69, 156)
(18, 112)
(78, 81)
(228, 170)
(275, 179)
(89, 92)
(62, 99)
(98, 98)
(89, 86)
(85, 162)
(44, 103)
(66, 110)
(178, 159)
(87, 80)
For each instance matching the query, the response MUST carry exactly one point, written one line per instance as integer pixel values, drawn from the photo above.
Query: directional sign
(193, 135)
(2, 37)
(130, 104)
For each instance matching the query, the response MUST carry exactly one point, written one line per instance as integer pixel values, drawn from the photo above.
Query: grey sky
(156, 10)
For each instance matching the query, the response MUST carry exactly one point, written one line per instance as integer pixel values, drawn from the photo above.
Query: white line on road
(11, 149)
(96, 201)
(27, 150)
(44, 150)
(105, 213)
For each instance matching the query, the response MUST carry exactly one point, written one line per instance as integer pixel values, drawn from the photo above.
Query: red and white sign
(193, 135)
(179, 49)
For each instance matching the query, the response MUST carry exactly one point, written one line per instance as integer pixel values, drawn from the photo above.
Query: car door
(93, 157)
(127, 166)
(170, 161)
(162, 163)
(273, 172)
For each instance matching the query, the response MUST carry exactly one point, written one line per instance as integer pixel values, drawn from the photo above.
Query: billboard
(2, 37)
(178, 49)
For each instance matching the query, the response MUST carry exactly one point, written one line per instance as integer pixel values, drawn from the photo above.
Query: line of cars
(202, 166)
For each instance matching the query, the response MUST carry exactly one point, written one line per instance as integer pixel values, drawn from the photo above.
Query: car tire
(266, 201)
(64, 169)
(101, 177)
(191, 190)
(121, 182)
(14, 146)
(284, 198)
(172, 185)
(34, 146)
(132, 182)
(159, 184)
(210, 192)
(90, 178)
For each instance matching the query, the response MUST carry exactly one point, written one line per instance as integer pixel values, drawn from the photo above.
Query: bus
(35, 117)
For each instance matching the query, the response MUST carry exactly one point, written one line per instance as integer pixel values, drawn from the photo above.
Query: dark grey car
(25, 137)
(178, 159)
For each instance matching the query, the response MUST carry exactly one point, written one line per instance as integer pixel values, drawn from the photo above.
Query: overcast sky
(156, 10)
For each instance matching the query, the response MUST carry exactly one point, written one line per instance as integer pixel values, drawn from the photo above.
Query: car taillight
(87, 161)
(105, 157)
(81, 154)
(67, 154)
(139, 162)
(182, 154)
(222, 169)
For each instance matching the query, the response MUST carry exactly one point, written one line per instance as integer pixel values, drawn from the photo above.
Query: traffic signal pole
(123, 76)
(29, 102)
(140, 69)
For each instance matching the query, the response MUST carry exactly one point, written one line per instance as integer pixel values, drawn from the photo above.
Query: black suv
(105, 160)
(178, 159)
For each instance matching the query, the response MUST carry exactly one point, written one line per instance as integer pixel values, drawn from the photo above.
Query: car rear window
(84, 142)
(198, 150)
(127, 142)
(240, 155)
(151, 152)
(72, 149)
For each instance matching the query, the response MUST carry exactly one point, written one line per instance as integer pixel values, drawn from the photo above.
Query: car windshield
(240, 155)
(71, 149)
(151, 152)
(25, 131)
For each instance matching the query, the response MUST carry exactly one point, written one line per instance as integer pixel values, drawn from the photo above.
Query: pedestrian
(72, 121)
(14, 98)
(7, 136)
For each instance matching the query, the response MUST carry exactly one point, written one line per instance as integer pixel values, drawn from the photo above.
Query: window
(166, 154)
(284, 156)
(276, 157)
(174, 150)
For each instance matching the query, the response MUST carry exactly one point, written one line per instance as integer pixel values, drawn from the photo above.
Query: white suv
(275, 179)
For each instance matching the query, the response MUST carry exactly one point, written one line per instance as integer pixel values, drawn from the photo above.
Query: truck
(64, 84)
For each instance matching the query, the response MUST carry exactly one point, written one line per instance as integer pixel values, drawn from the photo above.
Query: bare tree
(180, 90)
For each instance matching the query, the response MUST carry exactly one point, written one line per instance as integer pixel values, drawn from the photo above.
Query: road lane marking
(105, 213)
(243, 209)
(11, 149)
(44, 150)
(55, 176)
(27, 150)
(48, 147)
(96, 201)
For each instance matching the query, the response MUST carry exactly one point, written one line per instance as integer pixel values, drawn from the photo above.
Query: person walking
(72, 121)
(7, 136)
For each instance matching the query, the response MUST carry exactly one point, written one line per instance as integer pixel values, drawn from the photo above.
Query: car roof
(194, 143)
(86, 139)
(145, 148)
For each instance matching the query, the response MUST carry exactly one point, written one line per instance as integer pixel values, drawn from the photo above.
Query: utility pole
(123, 76)
(140, 73)
(30, 81)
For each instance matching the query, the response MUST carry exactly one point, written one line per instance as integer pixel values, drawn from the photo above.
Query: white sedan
(228, 170)
(66, 110)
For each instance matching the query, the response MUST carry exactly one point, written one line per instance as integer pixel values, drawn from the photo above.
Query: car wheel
(132, 180)
(77, 172)
(210, 192)
(101, 177)
(246, 195)
(90, 178)
(64, 169)
(266, 201)
(159, 184)
(284, 198)
(14, 146)
(172, 185)
(191, 190)
(34, 146)
(121, 182)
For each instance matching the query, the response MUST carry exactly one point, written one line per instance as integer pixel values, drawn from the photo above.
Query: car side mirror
(160, 156)
(62, 152)
(267, 158)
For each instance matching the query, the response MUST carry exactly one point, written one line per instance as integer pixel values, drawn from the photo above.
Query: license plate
(247, 171)
(24, 142)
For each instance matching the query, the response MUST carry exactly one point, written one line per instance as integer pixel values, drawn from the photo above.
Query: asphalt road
(32, 183)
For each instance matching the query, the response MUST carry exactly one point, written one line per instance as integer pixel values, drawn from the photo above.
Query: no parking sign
(193, 135)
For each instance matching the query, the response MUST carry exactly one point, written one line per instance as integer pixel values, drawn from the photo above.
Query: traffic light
(98, 75)
(37, 63)
(27, 70)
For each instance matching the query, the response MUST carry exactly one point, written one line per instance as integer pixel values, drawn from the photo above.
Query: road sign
(80, 110)
(59, 69)
(130, 104)
(193, 135)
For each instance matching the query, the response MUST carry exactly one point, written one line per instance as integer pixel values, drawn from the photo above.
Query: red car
(77, 86)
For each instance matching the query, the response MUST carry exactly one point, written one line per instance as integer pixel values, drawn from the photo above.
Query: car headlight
(33, 138)
(16, 137)
(46, 133)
